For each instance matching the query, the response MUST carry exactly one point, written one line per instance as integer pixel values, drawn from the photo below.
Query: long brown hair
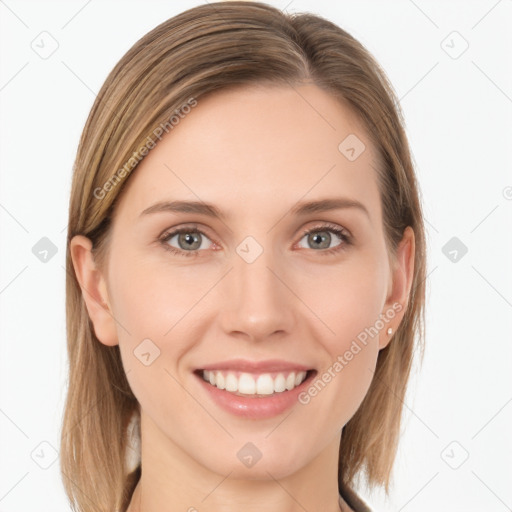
(206, 49)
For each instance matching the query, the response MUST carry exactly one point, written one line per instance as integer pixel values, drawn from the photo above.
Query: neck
(172, 480)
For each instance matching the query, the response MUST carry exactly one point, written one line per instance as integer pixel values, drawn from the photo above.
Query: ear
(94, 290)
(400, 286)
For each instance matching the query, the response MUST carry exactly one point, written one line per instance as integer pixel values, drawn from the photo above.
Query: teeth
(279, 383)
(220, 381)
(231, 382)
(290, 381)
(265, 385)
(248, 384)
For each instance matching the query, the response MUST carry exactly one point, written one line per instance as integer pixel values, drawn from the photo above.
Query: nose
(257, 300)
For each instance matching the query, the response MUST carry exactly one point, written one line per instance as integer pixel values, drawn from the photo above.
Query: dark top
(353, 500)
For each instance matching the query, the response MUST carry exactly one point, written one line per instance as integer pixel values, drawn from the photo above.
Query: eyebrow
(300, 209)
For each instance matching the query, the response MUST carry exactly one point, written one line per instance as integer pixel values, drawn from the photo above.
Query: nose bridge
(253, 272)
(258, 302)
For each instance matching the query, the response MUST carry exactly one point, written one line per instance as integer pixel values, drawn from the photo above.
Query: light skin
(254, 153)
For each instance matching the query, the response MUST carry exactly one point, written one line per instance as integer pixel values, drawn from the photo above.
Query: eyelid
(169, 233)
(194, 226)
(325, 224)
(341, 232)
(197, 226)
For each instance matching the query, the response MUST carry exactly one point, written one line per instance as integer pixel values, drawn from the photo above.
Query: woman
(246, 267)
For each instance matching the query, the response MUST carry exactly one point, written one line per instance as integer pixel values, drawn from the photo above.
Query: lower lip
(256, 407)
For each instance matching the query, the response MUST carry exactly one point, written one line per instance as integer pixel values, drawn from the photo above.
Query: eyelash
(341, 233)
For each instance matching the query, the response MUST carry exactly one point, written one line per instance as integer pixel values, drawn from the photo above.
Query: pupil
(189, 239)
(317, 238)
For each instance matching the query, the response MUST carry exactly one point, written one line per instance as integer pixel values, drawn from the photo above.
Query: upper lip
(244, 365)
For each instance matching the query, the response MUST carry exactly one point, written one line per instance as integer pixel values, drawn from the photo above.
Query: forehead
(259, 149)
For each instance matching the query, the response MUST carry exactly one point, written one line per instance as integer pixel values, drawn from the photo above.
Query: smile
(249, 384)
(255, 390)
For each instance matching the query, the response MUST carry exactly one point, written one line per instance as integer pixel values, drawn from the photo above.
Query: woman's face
(248, 285)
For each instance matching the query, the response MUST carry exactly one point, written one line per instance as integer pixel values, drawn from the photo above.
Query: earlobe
(94, 290)
(402, 275)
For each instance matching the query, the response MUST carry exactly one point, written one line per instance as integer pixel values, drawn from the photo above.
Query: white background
(458, 117)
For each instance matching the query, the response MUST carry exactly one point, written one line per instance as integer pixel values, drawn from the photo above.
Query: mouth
(256, 390)
(255, 385)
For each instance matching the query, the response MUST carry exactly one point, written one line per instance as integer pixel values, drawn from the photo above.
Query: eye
(319, 237)
(189, 240)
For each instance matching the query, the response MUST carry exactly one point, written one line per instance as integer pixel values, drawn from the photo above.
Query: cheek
(350, 308)
(350, 302)
(152, 300)
(155, 306)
